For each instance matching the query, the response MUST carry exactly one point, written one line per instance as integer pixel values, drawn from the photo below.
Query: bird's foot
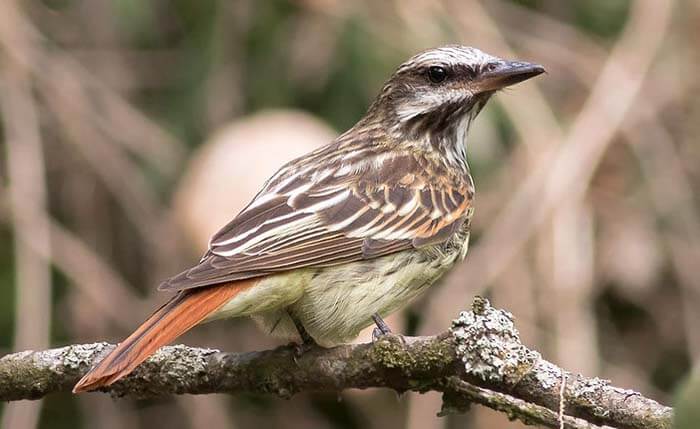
(307, 341)
(298, 349)
(377, 334)
(382, 329)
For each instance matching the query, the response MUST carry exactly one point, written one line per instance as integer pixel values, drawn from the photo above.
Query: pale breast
(339, 302)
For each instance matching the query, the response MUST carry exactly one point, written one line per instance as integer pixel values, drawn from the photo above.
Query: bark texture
(480, 359)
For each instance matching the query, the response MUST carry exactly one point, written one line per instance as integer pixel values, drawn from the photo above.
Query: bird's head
(441, 90)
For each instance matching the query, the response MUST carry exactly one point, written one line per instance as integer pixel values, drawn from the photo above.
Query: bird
(349, 233)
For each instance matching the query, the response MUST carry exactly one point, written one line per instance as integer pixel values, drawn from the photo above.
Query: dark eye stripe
(470, 72)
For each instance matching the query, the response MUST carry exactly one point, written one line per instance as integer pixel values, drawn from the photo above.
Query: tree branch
(480, 359)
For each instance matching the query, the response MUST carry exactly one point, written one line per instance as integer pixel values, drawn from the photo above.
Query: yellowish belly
(340, 302)
(335, 303)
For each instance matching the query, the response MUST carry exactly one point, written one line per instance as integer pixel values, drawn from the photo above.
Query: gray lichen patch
(195, 356)
(489, 344)
(179, 361)
(590, 386)
(547, 374)
(586, 393)
(78, 356)
(171, 369)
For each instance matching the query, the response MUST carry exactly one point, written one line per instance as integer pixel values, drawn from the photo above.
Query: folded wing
(331, 211)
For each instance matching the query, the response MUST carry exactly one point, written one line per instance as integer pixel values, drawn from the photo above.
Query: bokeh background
(132, 130)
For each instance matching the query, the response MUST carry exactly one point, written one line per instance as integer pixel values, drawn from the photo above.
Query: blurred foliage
(192, 66)
(687, 410)
(7, 300)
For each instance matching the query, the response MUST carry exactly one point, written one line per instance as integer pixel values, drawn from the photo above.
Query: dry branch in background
(480, 359)
(27, 192)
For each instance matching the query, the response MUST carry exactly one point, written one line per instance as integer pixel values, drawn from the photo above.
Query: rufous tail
(170, 321)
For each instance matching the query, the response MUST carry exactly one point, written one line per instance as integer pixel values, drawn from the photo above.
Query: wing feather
(334, 213)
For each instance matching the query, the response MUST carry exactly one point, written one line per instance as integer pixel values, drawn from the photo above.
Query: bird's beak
(506, 73)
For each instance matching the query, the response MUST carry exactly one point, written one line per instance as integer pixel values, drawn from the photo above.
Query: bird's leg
(381, 329)
(307, 342)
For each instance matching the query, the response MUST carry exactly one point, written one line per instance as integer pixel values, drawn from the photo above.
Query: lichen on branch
(480, 359)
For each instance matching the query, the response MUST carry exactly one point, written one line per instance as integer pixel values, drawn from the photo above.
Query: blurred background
(133, 130)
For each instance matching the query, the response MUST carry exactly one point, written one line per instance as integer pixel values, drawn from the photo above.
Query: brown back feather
(168, 322)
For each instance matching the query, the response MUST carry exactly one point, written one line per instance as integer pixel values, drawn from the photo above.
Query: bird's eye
(490, 67)
(437, 74)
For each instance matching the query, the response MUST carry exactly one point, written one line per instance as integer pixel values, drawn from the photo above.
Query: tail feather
(168, 322)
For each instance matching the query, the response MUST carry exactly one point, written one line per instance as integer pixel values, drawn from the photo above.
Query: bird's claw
(381, 329)
(377, 334)
(300, 348)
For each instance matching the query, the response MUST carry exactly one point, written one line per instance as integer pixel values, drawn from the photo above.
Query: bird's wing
(311, 216)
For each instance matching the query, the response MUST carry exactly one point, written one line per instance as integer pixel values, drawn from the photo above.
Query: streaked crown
(441, 87)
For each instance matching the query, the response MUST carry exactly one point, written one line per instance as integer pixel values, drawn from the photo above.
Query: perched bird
(350, 232)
